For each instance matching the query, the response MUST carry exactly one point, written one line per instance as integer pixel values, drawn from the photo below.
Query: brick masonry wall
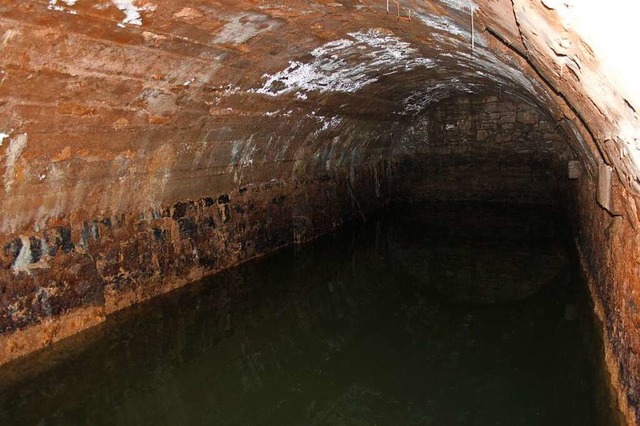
(73, 273)
(485, 148)
(607, 245)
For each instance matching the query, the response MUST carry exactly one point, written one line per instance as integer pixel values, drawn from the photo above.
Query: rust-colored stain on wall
(145, 144)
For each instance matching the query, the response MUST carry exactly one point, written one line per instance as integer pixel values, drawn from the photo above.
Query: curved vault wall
(148, 143)
(484, 148)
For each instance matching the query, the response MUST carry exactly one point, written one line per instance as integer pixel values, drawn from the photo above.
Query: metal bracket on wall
(603, 196)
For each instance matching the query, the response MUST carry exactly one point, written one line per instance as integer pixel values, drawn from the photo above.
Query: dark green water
(457, 315)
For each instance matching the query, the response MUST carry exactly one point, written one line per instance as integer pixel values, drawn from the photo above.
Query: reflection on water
(456, 315)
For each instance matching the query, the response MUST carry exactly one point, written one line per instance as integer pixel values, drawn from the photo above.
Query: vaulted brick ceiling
(157, 95)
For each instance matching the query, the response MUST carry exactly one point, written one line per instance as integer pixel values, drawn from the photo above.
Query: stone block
(574, 169)
(509, 117)
(527, 117)
(503, 137)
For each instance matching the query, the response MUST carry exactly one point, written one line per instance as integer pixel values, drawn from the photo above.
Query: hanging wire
(473, 41)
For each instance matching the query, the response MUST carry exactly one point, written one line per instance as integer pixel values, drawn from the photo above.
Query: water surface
(423, 315)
